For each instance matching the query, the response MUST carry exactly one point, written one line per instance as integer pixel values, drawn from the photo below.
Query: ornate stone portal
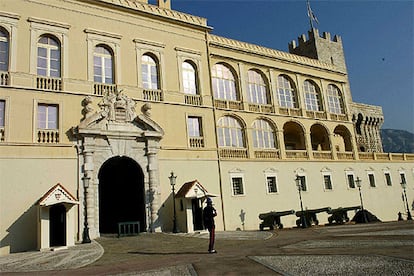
(116, 130)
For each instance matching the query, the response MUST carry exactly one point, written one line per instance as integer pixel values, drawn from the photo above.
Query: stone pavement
(363, 249)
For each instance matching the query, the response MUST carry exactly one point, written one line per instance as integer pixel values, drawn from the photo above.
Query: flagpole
(309, 14)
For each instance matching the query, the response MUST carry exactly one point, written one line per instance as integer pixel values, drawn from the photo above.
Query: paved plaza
(362, 249)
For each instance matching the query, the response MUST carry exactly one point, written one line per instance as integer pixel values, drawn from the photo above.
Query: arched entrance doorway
(121, 194)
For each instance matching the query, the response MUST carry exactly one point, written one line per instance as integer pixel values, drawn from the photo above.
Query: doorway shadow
(22, 233)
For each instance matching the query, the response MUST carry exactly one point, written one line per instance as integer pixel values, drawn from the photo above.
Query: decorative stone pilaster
(282, 148)
(332, 145)
(154, 187)
(308, 144)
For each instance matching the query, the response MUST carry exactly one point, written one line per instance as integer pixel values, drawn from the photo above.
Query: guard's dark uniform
(208, 217)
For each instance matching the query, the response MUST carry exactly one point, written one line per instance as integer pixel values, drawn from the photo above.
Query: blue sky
(377, 36)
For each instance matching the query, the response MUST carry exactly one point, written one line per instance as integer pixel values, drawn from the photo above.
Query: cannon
(272, 219)
(340, 215)
(308, 217)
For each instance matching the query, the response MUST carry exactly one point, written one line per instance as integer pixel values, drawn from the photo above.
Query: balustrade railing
(152, 95)
(104, 88)
(397, 156)
(4, 78)
(322, 154)
(233, 153)
(296, 154)
(264, 108)
(316, 114)
(45, 83)
(48, 136)
(193, 99)
(197, 142)
(266, 154)
(338, 117)
(290, 111)
(366, 156)
(236, 105)
(345, 155)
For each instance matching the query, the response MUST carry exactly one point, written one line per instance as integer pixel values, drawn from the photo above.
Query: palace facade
(101, 100)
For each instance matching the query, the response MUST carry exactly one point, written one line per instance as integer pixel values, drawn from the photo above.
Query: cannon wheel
(280, 226)
(261, 227)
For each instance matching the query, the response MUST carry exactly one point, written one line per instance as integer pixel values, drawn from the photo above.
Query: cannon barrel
(344, 209)
(339, 215)
(313, 211)
(272, 219)
(276, 214)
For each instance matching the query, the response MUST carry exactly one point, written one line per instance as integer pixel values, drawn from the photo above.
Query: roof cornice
(167, 14)
(227, 43)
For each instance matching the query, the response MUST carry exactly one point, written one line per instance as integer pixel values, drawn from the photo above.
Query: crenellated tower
(325, 48)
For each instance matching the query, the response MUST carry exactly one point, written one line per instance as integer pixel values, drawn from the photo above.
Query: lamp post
(358, 183)
(85, 235)
(302, 217)
(404, 186)
(173, 178)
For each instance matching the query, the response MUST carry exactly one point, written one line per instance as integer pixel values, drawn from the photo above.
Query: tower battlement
(313, 35)
(324, 48)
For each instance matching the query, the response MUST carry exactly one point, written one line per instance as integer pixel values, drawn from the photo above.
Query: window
(371, 178)
(2, 113)
(149, 72)
(286, 93)
(327, 182)
(237, 185)
(388, 179)
(47, 116)
(271, 184)
(402, 177)
(312, 96)
(48, 57)
(335, 100)
(263, 135)
(224, 84)
(103, 65)
(194, 126)
(351, 181)
(189, 78)
(302, 183)
(257, 88)
(230, 132)
(4, 50)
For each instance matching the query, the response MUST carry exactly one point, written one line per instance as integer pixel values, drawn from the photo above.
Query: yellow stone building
(100, 100)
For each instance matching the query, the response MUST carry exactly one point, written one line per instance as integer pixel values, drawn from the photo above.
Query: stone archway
(121, 194)
(112, 132)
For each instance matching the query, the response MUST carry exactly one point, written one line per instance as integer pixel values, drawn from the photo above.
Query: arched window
(263, 135)
(149, 66)
(48, 56)
(189, 78)
(224, 84)
(286, 92)
(335, 100)
(230, 132)
(103, 65)
(257, 88)
(312, 96)
(4, 50)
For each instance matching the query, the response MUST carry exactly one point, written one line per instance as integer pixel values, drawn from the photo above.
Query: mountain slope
(399, 141)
